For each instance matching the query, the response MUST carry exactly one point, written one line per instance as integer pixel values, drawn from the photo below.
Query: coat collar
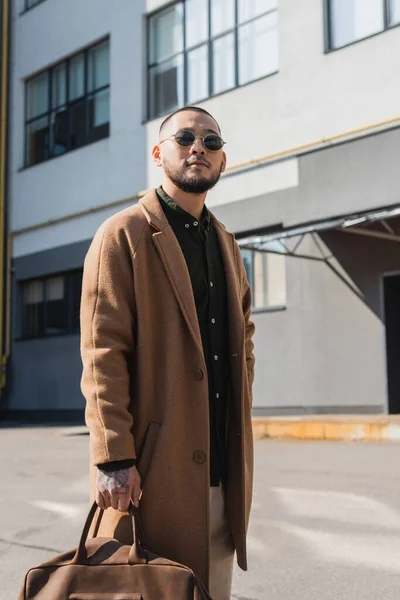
(153, 211)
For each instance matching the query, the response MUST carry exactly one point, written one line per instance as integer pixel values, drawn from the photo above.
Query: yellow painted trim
(307, 146)
(373, 428)
(274, 156)
(80, 213)
(3, 158)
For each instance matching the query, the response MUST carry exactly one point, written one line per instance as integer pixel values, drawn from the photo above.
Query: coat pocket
(147, 450)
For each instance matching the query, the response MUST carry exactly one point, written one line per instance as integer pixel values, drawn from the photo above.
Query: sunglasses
(187, 138)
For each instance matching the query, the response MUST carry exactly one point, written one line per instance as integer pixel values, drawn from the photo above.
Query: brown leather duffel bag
(105, 569)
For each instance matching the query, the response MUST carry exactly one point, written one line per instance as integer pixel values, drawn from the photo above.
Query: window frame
(87, 95)
(69, 287)
(387, 26)
(209, 41)
(266, 308)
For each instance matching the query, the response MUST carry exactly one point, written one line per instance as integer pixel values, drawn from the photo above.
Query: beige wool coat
(145, 382)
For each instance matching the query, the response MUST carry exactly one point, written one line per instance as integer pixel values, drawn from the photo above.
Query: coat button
(198, 375)
(199, 457)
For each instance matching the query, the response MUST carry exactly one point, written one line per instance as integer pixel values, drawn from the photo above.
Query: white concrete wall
(326, 349)
(98, 173)
(154, 4)
(314, 94)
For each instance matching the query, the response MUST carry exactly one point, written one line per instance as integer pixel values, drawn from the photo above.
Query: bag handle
(137, 553)
(203, 589)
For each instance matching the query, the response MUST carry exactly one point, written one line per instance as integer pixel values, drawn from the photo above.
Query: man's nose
(197, 147)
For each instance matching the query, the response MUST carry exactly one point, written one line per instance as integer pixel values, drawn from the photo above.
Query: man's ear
(223, 165)
(156, 153)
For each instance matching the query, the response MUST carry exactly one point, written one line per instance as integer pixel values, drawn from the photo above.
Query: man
(168, 363)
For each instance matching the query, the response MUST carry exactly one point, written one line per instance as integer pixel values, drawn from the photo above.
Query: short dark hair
(191, 108)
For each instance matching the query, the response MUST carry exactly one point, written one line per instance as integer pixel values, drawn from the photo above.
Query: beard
(190, 183)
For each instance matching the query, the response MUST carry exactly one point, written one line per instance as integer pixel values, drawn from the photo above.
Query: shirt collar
(181, 215)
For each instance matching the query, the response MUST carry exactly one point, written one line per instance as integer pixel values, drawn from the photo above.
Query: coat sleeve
(107, 343)
(248, 323)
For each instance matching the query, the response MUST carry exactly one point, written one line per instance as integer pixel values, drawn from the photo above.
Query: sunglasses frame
(195, 137)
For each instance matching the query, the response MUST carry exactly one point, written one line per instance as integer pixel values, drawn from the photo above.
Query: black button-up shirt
(199, 243)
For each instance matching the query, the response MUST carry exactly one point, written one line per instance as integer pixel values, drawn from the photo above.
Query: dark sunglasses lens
(186, 138)
(213, 142)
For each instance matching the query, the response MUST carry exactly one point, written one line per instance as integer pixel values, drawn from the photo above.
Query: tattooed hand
(116, 488)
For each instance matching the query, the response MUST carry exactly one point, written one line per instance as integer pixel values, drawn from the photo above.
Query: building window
(266, 274)
(353, 20)
(394, 12)
(200, 48)
(50, 305)
(68, 106)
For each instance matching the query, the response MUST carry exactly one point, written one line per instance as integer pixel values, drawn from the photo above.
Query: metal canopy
(288, 241)
(348, 223)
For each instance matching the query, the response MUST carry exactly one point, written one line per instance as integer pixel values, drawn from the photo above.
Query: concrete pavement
(325, 521)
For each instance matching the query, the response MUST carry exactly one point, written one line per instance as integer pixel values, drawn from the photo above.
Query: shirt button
(198, 374)
(215, 357)
(195, 223)
(217, 395)
(213, 321)
(199, 457)
(187, 225)
(211, 284)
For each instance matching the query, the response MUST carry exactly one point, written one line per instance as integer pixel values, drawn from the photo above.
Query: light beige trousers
(222, 547)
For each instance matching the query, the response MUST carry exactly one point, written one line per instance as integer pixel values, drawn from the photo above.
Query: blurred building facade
(306, 94)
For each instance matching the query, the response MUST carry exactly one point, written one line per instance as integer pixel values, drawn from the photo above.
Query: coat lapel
(235, 323)
(235, 313)
(173, 262)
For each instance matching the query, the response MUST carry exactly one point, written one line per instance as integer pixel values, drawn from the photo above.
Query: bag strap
(80, 557)
(137, 553)
(98, 523)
